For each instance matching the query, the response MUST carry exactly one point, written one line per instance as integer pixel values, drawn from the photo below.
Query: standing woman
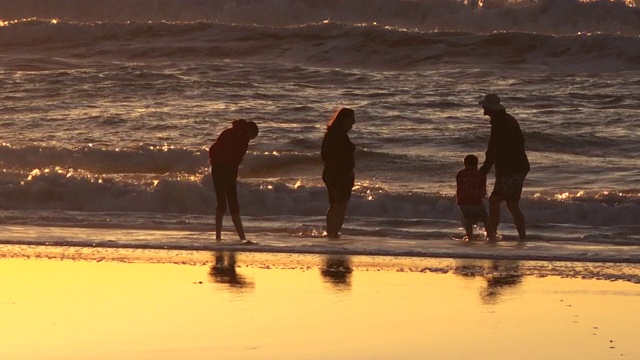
(225, 156)
(338, 159)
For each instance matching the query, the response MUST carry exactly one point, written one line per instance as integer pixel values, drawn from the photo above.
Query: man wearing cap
(506, 152)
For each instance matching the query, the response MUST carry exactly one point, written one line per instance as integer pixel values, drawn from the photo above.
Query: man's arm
(484, 186)
(490, 154)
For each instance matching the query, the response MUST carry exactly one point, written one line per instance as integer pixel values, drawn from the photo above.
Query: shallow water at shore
(105, 243)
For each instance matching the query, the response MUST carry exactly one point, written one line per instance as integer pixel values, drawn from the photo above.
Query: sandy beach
(79, 303)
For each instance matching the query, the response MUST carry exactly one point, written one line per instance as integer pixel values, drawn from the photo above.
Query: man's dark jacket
(506, 147)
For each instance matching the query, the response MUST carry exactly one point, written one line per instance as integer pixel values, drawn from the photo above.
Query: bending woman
(225, 156)
(338, 158)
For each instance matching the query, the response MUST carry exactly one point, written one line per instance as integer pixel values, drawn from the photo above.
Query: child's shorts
(472, 214)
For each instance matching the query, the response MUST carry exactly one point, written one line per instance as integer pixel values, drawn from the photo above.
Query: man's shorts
(472, 214)
(509, 187)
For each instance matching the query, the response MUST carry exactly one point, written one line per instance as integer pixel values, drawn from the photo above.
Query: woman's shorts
(339, 185)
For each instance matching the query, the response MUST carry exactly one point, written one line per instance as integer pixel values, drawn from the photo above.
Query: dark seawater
(108, 107)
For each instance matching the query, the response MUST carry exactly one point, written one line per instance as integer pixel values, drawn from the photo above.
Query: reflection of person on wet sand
(468, 268)
(503, 274)
(500, 275)
(336, 269)
(224, 270)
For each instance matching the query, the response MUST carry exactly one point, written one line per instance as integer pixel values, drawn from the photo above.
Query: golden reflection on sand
(266, 306)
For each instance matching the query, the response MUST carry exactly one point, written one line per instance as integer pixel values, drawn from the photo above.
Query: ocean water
(107, 109)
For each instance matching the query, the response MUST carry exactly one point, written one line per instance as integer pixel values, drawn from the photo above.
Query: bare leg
(335, 218)
(518, 218)
(219, 217)
(238, 224)
(468, 228)
(494, 216)
(487, 225)
(341, 210)
(331, 233)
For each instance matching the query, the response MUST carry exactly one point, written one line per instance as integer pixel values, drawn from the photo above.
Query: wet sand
(65, 303)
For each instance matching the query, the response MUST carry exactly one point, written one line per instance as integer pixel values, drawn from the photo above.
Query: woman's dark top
(338, 153)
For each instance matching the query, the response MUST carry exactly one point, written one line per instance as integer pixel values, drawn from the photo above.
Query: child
(471, 189)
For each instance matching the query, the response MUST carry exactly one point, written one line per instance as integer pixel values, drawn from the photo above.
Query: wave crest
(56, 189)
(318, 44)
(541, 16)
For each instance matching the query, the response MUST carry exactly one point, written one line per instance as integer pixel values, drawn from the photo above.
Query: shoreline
(441, 249)
(597, 270)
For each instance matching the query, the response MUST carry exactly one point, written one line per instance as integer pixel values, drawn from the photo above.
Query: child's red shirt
(472, 187)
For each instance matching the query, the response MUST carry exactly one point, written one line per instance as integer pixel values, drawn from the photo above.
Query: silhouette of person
(224, 270)
(225, 156)
(506, 152)
(338, 158)
(471, 189)
(337, 270)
